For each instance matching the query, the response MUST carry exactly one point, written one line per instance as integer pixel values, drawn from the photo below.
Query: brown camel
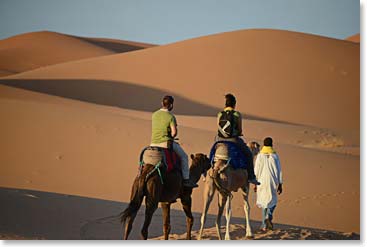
(149, 185)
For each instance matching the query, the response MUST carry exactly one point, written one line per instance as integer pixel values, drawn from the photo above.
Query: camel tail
(137, 196)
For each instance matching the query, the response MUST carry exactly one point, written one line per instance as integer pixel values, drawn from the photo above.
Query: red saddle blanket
(172, 160)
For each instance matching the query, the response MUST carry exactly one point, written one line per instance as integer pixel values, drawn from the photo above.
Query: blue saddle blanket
(237, 158)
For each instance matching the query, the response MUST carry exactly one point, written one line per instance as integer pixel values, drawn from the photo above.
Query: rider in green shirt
(164, 130)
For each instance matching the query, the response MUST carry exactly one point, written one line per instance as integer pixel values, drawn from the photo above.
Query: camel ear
(192, 156)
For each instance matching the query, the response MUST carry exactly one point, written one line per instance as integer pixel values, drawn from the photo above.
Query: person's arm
(173, 126)
(279, 169)
(239, 123)
(257, 170)
(173, 130)
(280, 176)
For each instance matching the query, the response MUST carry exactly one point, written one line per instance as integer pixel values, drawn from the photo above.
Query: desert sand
(72, 132)
(355, 38)
(38, 49)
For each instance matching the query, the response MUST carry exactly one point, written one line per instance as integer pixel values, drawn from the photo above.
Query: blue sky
(166, 21)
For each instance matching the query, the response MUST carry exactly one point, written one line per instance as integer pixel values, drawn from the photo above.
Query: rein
(225, 192)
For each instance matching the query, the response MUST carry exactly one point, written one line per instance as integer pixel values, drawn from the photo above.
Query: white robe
(269, 173)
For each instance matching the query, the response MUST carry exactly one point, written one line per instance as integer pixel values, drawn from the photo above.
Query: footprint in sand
(305, 234)
(59, 157)
(344, 73)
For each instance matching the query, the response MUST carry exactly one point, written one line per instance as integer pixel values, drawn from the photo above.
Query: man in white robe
(269, 173)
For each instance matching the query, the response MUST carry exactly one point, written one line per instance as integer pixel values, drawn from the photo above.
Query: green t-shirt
(161, 121)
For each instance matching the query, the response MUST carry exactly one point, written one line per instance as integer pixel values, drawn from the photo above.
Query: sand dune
(355, 38)
(96, 148)
(259, 66)
(76, 219)
(38, 49)
(77, 128)
(118, 46)
(283, 233)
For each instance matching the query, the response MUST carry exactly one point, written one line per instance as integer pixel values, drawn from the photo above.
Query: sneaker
(189, 183)
(254, 181)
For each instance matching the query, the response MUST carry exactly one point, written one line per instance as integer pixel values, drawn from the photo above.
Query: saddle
(159, 156)
(230, 152)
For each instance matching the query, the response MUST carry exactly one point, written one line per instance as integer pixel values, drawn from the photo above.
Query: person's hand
(255, 188)
(280, 189)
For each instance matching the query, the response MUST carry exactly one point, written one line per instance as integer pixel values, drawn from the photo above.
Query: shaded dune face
(117, 46)
(110, 93)
(119, 94)
(78, 220)
(38, 49)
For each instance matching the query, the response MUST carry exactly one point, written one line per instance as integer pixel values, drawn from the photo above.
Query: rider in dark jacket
(233, 132)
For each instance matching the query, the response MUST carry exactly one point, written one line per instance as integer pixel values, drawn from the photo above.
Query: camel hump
(156, 155)
(230, 152)
(221, 152)
(152, 155)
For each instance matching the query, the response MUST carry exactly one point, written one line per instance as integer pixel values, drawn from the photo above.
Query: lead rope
(220, 188)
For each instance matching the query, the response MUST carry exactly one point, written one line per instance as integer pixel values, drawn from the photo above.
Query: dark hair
(230, 100)
(167, 100)
(268, 142)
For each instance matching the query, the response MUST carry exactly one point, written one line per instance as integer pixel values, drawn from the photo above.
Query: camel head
(254, 147)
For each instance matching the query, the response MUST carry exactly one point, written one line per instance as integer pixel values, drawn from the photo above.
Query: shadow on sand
(32, 214)
(115, 46)
(118, 94)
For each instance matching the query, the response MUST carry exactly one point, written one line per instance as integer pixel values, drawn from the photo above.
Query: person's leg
(184, 164)
(184, 160)
(249, 160)
(269, 218)
(271, 212)
(264, 213)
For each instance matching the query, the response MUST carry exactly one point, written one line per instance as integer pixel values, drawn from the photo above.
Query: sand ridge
(44, 48)
(77, 128)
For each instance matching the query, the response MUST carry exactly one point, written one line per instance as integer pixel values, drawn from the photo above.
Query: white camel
(227, 181)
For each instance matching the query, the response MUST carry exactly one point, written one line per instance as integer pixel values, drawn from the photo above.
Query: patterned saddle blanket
(230, 152)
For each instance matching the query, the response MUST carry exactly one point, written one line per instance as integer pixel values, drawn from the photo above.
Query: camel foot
(249, 237)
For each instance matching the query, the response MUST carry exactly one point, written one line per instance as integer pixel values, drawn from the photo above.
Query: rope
(225, 192)
(156, 167)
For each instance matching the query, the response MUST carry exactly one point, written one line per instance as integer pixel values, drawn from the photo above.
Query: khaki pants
(181, 153)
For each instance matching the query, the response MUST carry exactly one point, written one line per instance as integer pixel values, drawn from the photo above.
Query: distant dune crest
(355, 38)
(30, 51)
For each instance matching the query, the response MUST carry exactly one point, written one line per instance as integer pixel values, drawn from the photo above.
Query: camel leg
(221, 203)
(246, 207)
(208, 197)
(228, 218)
(148, 218)
(186, 204)
(151, 203)
(128, 225)
(131, 212)
(166, 210)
